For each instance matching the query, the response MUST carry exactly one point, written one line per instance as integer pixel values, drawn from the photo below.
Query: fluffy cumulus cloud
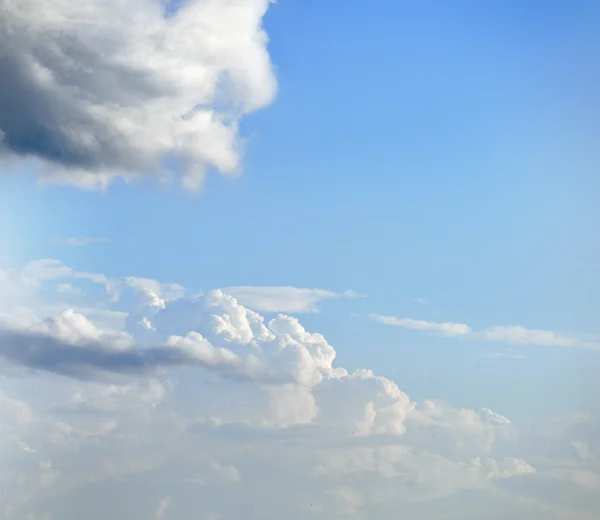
(97, 89)
(194, 400)
(48, 287)
(162, 507)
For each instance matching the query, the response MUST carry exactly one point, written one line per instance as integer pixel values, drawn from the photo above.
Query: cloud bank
(191, 396)
(512, 334)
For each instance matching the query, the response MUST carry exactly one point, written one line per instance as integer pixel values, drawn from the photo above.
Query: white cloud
(446, 329)
(212, 472)
(494, 417)
(20, 286)
(284, 299)
(14, 412)
(226, 472)
(168, 291)
(22, 289)
(467, 430)
(509, 467)
(396, 469)
(162, 507)
(291, 405)
(512, 334)
(94, 90)
(582, 449)
(67, 288)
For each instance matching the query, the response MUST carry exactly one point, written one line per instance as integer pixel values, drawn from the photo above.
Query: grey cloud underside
(36, 123)
(94, 360)
(37, 120)
(51, 354)
(95, 90)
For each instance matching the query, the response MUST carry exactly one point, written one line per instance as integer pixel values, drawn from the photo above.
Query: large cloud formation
(97, 89)
(191, 396)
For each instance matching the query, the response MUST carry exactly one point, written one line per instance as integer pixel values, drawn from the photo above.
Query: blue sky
(436, 158)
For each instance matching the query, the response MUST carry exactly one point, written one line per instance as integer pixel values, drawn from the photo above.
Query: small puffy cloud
(437, 412)
(21, 284)
(29, 293)
(14, 412)
(168, 291)
(582, 449)
(67, 288)
(162, 507)
(95, 90)
(212, 472)
(495, 418)
(513, 334)
(465, 429)
(227, 472)
(378, 406)
(509, 467)
(217, 315)
(284, 299)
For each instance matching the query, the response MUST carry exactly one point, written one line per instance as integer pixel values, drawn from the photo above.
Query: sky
(299, 259)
